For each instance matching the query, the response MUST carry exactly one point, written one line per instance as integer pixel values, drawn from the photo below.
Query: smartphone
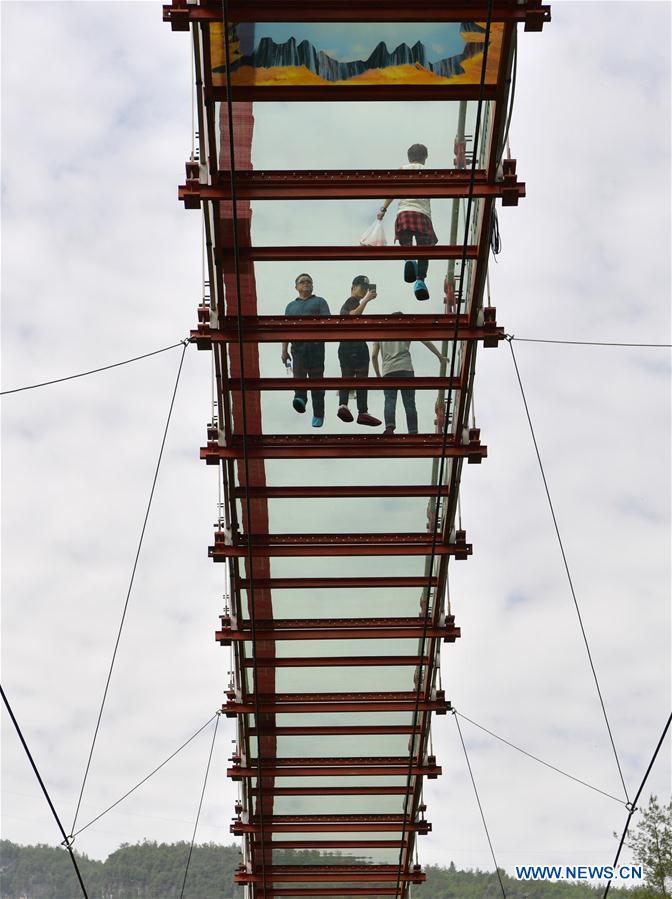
(372, 286)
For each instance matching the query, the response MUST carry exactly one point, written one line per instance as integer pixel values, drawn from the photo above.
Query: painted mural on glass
(368, 53)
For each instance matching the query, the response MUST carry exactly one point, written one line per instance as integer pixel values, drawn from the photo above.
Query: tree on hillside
(651, 844)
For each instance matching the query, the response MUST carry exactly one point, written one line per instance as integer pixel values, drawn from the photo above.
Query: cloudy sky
(99, 263)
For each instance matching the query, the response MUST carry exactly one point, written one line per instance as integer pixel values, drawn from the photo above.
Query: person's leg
(363, 417)
(408, 399)
(423, 240)
(301, 373)
(390, 408)
(347, 371)
(405, 239)
(317, 396)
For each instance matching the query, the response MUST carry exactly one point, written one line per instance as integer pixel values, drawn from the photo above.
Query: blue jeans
(407, 398)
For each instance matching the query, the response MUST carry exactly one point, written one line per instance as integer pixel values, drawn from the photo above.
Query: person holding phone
(353, 355)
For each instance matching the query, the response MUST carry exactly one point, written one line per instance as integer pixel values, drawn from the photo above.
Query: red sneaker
(345, 414)
(365, 419)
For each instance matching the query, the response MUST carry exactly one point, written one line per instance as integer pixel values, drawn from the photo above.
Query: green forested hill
(155, 871)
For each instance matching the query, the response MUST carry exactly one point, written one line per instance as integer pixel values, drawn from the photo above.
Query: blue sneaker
(318, 422)
(420, 290)
(410, 271)
(299, 404)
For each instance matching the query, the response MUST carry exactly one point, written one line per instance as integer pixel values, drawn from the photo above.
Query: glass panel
(279, 54)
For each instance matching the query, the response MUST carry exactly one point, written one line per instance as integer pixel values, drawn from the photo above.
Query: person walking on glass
(354, 354)
(307, 356)
(414, 220)
(397, 363)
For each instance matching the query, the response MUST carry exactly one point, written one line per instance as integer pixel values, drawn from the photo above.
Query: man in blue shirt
(307, 358)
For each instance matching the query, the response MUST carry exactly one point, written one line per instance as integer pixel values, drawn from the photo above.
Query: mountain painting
(313, 54)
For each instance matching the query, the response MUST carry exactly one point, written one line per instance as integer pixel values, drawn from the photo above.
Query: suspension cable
(130, 587)
(144, 779)
(480, 807)
(569, 576)
(200, 803)
(67, 841)
(536, 759)
(94, 371)
(633, 805)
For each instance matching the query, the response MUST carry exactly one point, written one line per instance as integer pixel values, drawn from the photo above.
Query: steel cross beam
(345, 446)
(289, 545)
(332, 874)
(329, 844)
(343, 383)
(335, 791)
(447, 633)
(360, 184)
(278, 328)
(337, 661)
(335, 730)
(346, 490)
(248, 255)
(233, 707)
(532, 13)
(338, 583)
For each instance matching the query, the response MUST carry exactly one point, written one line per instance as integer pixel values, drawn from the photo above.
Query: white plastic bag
(374, 236)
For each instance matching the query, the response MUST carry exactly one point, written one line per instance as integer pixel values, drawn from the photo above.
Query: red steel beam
(369, 184)
(372, 383)
(336, 791)
(233, 707)
(448, 634)
(339, 661)
(337, 730)
(312, 874)
(346, 446)
(331, 844)
(338, 583)
(326, 492)
(240, 827)
(330, 891)
(343, 253)
(278, 328)
(337, 761)
(533, 13)
(292, 545)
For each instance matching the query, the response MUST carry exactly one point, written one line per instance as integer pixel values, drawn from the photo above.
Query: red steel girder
(533, 13)
(336, 761)
(344, 253)
(328, 873)
(291, 545)
(338, 662)
(369, 184)
(278, 328)
(335, 730)
(248, 707)
(349, 490)
(270, 892)
(342, 383)
(366, 631)
(337, 583)
(335, 791)
(346, 446)
(352, 826)
(330, 844)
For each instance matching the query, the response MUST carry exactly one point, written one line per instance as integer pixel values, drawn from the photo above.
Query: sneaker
(318, 422)
(345, 414)
(420, 290)
(365, 419)
(299, 404)
(389, 431)
(410, 271)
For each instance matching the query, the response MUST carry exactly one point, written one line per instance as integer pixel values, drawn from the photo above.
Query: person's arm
(430, 346)
(374, 358)
(383, 209)
(285, 353)
(324, 307)
(366, 299)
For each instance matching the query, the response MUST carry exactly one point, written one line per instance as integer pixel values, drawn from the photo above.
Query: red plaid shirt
(418, 224)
